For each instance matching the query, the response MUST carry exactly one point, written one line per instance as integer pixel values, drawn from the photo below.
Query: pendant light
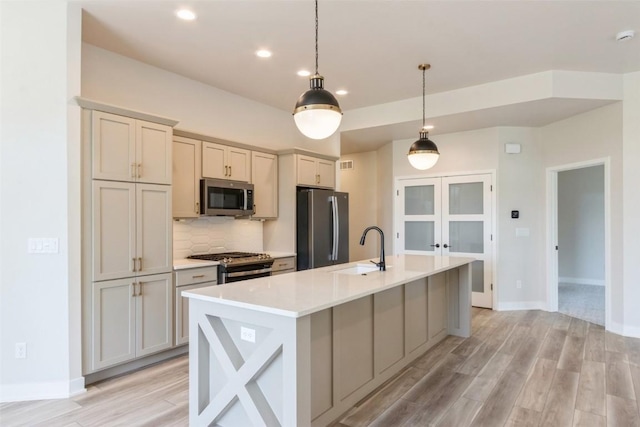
(423, 153)
(317, 113)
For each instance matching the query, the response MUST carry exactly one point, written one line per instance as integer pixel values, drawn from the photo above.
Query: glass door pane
(466, 229)
(418, 212)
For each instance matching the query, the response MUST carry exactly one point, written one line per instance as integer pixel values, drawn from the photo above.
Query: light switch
(42, 245)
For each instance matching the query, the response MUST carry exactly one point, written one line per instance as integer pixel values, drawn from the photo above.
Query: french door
(449, 216)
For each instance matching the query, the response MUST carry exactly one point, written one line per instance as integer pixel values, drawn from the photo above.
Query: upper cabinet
(186, 177)
(315, 172)
(126, 149)
(225, 162)
(264, 173)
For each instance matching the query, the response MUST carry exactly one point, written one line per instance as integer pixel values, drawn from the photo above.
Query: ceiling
(372, 49)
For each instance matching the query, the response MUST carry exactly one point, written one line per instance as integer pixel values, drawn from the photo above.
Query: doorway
(579, 232)
(449, 216)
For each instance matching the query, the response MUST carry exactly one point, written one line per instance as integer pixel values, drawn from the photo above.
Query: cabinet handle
(197, 207)
(133, 170)
(140, 289)
(318, 179)
(140, 264)
(226, 171)
(134, 265)
(229, 170)
(199, 276)
(133, 286)
(139, 170)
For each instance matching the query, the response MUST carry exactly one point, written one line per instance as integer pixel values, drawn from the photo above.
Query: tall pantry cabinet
(127, 228)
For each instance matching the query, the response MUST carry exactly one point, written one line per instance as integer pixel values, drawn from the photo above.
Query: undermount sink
(358, 269)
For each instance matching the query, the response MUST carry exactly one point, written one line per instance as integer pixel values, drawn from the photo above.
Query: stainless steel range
(235, 266)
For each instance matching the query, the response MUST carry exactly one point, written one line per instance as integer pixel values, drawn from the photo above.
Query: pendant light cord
(316, 37)
(423, 98)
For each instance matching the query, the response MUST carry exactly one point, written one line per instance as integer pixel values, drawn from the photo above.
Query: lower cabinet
(186, 280)
(283, 265)
(182, 312)
(358, 345)
(132, 317)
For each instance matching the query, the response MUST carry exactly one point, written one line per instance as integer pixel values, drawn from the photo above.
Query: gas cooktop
(227, 258)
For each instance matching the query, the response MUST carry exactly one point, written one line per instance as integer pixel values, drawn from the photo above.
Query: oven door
(244, 272)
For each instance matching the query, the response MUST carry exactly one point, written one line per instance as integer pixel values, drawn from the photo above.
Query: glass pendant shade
(423, 153)
(317, 113)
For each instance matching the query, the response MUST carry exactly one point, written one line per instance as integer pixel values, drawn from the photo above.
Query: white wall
(631, 213)
(384, 183)
(519, 187)
(114, 79)
(593, 135)
(361, 184)
(581, 225)
(40, 197)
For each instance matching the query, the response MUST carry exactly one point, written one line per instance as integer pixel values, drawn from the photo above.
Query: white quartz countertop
(305, 292)
(181, 264)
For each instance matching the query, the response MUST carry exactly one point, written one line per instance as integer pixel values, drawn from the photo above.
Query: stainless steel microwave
(226, 198)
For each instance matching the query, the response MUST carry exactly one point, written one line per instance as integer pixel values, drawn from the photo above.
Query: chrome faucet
(381, 264)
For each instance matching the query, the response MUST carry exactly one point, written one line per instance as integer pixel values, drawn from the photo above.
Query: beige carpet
(585, 302)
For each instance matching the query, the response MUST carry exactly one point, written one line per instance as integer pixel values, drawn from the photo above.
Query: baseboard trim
(41, 391)
(521, 305)
(76, 387)
(579, 281)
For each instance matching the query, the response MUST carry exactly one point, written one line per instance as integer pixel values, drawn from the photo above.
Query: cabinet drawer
(196, 275)
(284, 264)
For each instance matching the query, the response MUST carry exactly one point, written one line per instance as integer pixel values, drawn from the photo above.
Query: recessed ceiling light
(263, 53)
(341, 92)
(304, 73)
(186, 14)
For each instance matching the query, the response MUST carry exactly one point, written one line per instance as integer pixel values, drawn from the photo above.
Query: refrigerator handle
(336, 233)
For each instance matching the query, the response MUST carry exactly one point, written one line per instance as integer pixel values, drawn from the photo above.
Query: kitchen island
(300, 349)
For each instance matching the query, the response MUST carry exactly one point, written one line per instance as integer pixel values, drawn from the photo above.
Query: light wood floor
(525, 368)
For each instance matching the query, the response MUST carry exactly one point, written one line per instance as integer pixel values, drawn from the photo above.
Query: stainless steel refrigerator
(322, 228)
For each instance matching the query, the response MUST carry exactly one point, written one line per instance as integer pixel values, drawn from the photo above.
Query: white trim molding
(42, 391)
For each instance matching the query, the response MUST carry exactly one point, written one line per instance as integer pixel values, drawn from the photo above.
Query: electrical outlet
(21, 350)
(519, 284)
(247, 334)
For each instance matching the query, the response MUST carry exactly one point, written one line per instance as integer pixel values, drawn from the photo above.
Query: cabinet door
(239, 163)
(306, 171)
(186, 177)
(182, 311)
(113, 230)
(113, 147)
(264, 174)
(113, 323)
(154, 309)
(154, 232)
(214, 161)
(153, 152)
(326, 173)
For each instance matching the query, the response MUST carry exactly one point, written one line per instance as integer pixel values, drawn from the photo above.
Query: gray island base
(300, 349)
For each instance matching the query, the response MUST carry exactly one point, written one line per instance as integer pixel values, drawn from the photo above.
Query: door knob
(446, 246)
(437, 245)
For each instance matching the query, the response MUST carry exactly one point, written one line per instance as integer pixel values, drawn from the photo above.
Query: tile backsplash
(214, 234)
